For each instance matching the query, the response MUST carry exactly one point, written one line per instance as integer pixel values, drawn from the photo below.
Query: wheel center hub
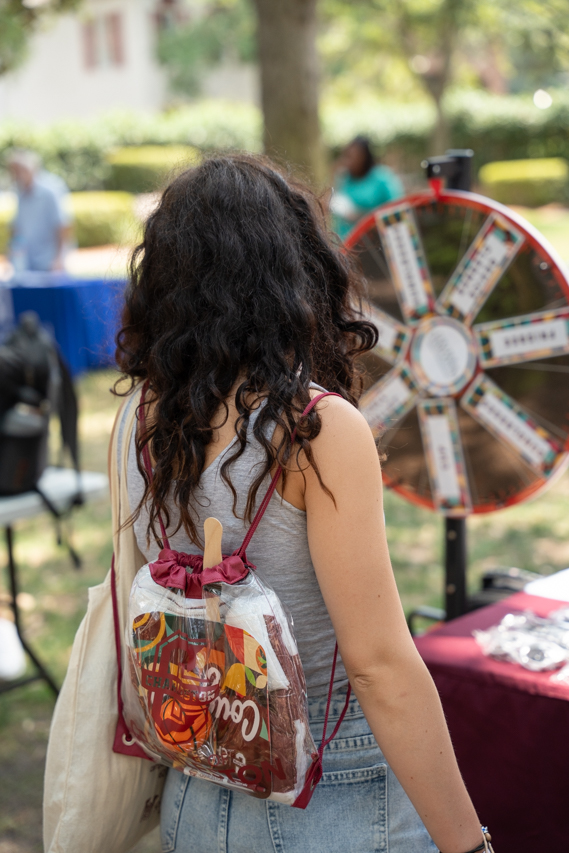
(443, 356)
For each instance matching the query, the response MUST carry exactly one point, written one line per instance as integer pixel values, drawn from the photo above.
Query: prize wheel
(467, 389)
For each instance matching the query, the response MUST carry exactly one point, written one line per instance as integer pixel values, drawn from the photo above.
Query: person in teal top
(360, 186)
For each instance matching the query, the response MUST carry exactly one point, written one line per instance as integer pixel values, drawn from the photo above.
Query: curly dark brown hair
(236, 277)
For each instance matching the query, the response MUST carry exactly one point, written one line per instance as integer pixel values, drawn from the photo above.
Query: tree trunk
(289, 85)
(440, 137)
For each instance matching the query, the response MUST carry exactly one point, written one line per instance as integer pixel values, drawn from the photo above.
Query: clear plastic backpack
(213, 685)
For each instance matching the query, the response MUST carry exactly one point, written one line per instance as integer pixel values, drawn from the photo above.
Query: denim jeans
(358, 807)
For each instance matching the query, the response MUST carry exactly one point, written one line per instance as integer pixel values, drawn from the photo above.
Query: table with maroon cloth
(510, 730)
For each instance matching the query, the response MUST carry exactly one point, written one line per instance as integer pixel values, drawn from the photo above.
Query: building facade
(100, 58)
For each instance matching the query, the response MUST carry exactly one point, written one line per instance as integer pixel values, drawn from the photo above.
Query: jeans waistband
(317, 707)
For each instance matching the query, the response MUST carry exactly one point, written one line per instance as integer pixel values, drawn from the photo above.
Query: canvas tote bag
(96, 800)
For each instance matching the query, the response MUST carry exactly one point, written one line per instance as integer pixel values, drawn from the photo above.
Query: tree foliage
(395, 47)
(221, 29)
(18, 20)
(500, 45)
(518, 45)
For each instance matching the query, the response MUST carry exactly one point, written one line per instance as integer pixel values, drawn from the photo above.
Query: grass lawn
(553, 222)
(54, 596)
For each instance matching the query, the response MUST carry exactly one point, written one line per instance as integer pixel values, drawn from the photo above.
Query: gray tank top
(279, 549)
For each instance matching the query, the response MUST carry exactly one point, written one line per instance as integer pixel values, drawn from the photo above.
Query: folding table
(60, 486)
(509, 729)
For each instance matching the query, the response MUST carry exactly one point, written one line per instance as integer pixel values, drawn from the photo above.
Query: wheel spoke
(406, 260)
(389, 400)
(531, 336)
(511, 424)
(393, 337)
(444, 456)
(488, 257)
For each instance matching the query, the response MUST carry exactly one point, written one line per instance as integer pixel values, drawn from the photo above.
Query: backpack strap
(270, 491)
(274, 482)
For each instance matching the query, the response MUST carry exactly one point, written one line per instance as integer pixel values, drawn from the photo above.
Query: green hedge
(101, 218)
(7, 211)
(527, 182)
(497, 128)
(78, 149)
(147, 168)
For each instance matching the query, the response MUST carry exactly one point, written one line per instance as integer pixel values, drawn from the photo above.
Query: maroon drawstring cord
(326, 741)
(147, 461)
(245, 544)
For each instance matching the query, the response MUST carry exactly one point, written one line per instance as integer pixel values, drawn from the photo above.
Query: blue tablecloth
(83, 315)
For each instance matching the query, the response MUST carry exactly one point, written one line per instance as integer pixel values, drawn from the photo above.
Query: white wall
(236, 82)
(54, 82)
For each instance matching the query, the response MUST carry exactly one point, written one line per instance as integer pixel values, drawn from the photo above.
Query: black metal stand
(42, 673)
(456, 603)
(455, 567)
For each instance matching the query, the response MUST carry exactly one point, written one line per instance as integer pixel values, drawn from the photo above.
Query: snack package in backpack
(213, 685)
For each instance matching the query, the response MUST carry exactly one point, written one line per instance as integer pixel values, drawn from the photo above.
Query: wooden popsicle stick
(213, 531)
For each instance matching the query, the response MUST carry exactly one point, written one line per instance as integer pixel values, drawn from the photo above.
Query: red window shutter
(114, 35)
(90, 44)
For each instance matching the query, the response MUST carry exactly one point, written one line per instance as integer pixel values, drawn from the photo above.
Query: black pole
(455, 567)
(455, 528)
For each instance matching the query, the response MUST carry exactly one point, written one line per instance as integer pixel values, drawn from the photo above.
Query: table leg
(42, 673)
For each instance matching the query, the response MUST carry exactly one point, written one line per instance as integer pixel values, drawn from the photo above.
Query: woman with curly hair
(240, 309)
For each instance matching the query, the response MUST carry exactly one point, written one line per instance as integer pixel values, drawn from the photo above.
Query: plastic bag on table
(533, 642)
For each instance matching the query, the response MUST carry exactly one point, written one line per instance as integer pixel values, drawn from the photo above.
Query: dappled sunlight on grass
(532, 536)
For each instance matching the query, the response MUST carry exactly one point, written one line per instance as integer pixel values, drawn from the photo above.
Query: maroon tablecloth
(510, 729)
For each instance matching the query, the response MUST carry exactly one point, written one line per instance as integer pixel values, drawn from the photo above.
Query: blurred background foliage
(497, 127)
(400, 48)
(225, 29)
(394, 49)
(416, 76)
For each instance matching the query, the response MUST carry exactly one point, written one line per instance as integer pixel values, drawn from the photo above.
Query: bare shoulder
(345, 435)
(339, 416)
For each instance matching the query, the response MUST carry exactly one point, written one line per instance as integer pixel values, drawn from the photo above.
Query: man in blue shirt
(41, 225)
(360, 186)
